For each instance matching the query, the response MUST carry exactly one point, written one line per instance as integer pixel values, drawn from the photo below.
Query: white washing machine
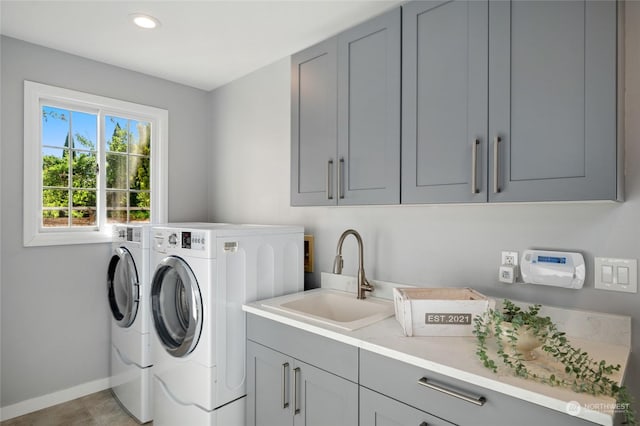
(128, 291)
(204, 273)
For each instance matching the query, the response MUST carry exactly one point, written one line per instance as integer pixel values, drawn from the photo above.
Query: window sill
(66, 238)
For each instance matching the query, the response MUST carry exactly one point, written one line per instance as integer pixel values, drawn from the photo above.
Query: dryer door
(176, 304)
(123, 287)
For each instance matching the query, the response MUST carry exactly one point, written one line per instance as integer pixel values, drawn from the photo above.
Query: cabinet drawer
(400, 381)
(379, 410)
(327, 354)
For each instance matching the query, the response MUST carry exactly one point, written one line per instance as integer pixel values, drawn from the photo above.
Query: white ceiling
(204, 44)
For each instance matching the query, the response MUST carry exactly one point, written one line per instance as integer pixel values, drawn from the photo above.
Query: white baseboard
(45, 401)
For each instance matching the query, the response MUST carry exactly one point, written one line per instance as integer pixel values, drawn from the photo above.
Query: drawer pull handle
(329, 182)
(340, 178)
(477, 400)
(424, 424)
(285, 401)
(474, 167)
(496, 164)
(296, 390)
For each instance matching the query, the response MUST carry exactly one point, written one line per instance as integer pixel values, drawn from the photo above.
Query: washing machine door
(176, 305)
(123, 287)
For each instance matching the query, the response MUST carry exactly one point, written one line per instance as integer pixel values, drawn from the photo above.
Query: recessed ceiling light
(145, 21)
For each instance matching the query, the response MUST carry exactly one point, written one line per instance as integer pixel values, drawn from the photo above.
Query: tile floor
(98, 409)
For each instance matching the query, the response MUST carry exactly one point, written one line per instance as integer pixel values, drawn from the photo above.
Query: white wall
(55, 318)
(434, 245)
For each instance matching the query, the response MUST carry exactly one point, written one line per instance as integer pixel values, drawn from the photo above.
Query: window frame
(35, 94)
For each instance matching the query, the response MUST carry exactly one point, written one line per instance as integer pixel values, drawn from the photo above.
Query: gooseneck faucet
(363, 284)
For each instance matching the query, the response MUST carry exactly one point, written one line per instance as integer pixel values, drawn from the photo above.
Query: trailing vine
(582, 373)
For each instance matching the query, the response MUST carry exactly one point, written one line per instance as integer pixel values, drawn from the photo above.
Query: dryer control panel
(193, 240)
(176, 241)
(127, 233)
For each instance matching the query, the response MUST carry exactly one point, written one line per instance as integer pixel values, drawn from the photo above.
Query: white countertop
(455, 357)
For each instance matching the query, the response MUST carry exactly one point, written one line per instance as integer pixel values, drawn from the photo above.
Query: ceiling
(204, 44)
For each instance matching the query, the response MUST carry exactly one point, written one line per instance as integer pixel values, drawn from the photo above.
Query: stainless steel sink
(336, 308)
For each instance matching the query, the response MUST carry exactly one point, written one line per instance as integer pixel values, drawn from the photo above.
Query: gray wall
(55, 319)
(431, 245)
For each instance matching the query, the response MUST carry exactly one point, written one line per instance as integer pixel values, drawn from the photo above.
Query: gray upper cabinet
(369, 112)
(345, 117)
(552, 100)
(444, 97)
(502, 101)
(545, 81)
(313, 125)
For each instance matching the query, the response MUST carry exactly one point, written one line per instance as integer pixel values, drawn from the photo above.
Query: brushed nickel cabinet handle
(340, 179)
(285, 401)
(296, 390)
(329, 173)
(474, 166)
(496, 164)
(474, 399)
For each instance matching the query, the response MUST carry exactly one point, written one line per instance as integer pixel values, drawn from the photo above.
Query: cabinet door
(444, 101)
(379, 410)
(321, 398)
(313, 125)
(268, 387)
(368, 168)
(552, 69)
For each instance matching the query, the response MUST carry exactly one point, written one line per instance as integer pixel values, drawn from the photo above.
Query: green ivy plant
(583, 373)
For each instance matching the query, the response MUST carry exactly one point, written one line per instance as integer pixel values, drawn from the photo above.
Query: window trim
(34, 94)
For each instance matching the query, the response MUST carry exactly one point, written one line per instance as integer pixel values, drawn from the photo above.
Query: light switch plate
(610, 274)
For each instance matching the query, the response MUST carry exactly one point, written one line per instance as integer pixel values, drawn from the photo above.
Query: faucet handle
(367, 286)
(338, 263)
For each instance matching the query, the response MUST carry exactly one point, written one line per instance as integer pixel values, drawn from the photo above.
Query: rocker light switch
(616, 274)
(623, 275)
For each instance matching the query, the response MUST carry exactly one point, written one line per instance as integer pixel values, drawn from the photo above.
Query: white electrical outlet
(508, 271)
(509, 258)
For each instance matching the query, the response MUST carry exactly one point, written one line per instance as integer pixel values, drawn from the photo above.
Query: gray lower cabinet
(284, 388)
(509, 101)
(268, 387)
(379, 410)
(452, 400)
(285, 391)
(325, 399)
(295, 377)
(345, 117)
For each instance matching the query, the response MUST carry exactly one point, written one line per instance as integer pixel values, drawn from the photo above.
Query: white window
(90, 162)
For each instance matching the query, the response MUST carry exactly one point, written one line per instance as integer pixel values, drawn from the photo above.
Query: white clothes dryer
(128, 281)
(204, 273)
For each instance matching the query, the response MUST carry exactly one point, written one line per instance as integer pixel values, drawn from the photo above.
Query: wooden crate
(439, 311)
